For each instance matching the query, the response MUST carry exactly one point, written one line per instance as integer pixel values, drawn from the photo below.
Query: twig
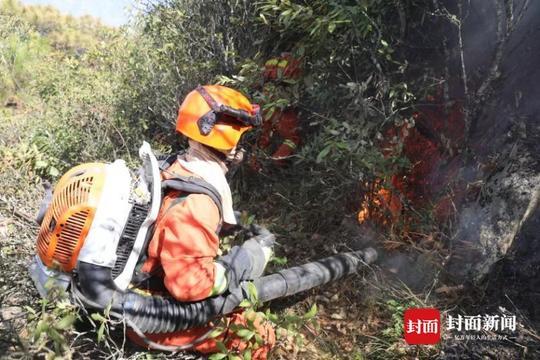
(524, 8)
(493, 73)
(18, 213)
(437, 277)
(466, 117)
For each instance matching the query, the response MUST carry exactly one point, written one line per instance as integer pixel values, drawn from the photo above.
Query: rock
(12, 317)
(487, 229)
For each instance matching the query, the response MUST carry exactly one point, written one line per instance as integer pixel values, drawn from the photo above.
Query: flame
(428, 145)
(381, 205)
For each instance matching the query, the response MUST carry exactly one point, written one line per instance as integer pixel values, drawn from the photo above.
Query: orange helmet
(216, 116)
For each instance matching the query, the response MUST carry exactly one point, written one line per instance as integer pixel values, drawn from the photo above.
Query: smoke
(480, 186)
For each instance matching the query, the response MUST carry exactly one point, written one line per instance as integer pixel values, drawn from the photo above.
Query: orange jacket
(185, 242)
(182, 250)
(285, 124)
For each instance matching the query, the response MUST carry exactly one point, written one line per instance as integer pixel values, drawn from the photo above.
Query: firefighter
(280, 130)
(183, 251)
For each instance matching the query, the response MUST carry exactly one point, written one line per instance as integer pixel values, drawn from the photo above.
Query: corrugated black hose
(156, 314)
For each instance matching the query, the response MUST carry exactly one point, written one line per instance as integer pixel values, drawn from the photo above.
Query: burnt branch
(466, 117)
(506, 24)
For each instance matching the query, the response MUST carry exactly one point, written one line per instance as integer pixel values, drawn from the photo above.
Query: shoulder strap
(193, 185)
(185, 184)
(166, 160)
(188, 184)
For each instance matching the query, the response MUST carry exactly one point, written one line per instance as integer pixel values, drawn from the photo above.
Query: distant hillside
(32, 36)
(56, 82)
(64, 32)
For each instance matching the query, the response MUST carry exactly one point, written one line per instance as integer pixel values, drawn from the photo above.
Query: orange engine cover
(69, 216)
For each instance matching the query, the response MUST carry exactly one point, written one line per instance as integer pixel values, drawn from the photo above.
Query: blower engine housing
(99, 214)
(70, 215)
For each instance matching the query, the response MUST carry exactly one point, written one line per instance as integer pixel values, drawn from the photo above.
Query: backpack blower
(94, 231)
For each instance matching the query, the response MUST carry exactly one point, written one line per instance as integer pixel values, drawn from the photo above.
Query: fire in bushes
(430, 142)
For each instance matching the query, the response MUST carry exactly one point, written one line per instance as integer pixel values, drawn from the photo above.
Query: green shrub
(63, 96)
(353, 85)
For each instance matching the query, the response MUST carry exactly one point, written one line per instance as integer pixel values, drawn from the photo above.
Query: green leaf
(272, 317)
(107, 310)
(331, 27)
(279, 260)
(100, 332)
(247, 354)
(270, 112)
(66, 322)
(221, 347)
(261, 315)
(41, 164)
(54, 172)
(324, 152)
(245, 333)
(55, 336)
(289, 81)
(252, 292)
(258, 339)
(30, 310)
(334, 132)
(245, 303)
(41, 327)
(215, 333)
(217, 356)
(311, 313)
(98, 317)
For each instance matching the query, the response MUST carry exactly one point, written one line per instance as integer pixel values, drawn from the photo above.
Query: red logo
(422, 326)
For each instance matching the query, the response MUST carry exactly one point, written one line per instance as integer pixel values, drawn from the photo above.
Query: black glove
(238, 264)
(262, 235)
(247, 262)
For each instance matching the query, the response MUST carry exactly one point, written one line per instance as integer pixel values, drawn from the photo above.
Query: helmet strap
(207, 122)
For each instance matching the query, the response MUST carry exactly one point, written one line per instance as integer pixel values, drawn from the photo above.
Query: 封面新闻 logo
(422, 326)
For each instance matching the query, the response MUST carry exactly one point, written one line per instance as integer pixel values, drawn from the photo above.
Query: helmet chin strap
(229, 160)
(233, 162)
(235, 156)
